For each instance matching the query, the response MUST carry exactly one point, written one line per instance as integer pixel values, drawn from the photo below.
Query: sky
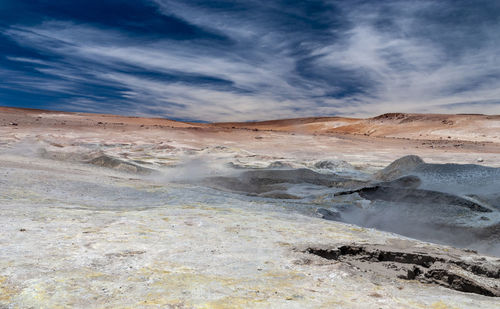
(251, 60)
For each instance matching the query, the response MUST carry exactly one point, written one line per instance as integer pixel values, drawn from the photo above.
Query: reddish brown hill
(470, 127)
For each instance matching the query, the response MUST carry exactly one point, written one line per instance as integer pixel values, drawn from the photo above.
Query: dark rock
(117, 164)
(333, 165)
(328, 214)
(279, 164)
(430, 266)
(391, 116)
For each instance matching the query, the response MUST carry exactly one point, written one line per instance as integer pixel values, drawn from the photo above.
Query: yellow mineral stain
(168, 286)
(290, 276)
(356, 229)
(95, 275)
(229, 303)
(148, 271)
(6, 292)
(35, 293)
(283, 244)
(218, 209)
(158, 300)
(332, 229)
(441, 305)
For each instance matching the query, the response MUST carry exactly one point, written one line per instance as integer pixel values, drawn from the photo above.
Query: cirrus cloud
(252, 60)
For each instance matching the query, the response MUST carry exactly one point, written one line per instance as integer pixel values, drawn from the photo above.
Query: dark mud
(444, 203)
(415, 196)
(269, 182)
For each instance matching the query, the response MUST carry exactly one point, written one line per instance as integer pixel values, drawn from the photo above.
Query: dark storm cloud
(241, 60)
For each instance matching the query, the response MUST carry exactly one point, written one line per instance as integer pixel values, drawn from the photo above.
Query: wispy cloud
(258, 59)
(414, 73)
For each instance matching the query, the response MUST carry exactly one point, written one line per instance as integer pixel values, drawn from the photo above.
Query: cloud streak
(254, 60)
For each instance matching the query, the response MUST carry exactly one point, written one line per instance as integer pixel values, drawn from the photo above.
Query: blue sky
(251, 60)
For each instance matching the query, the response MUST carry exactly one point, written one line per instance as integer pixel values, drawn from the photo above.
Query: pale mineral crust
(102, 211)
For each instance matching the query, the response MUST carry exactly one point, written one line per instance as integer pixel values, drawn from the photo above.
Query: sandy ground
(436, 138)
(77, 235)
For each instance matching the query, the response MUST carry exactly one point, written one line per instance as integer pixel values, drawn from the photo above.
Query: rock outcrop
(120, 165)
(474, 275)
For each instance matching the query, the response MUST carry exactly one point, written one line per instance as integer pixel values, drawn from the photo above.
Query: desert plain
(105, 211)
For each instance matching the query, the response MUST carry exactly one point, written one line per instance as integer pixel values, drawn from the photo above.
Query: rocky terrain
(102, 211)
